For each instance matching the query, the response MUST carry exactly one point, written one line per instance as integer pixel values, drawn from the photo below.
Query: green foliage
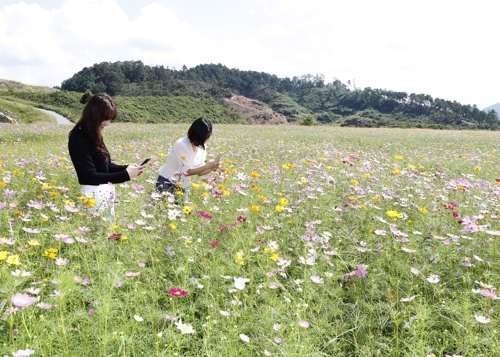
(291, 97)
(24, 113)
(131, 109)
(308, 120)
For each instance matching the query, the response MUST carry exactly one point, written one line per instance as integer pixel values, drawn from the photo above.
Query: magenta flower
(241, 219)
(177, 292)
(213, 244)
(222, 228)
(115, 236)
(91, 312)
(22, 300)
(205, 215)
(2, 205)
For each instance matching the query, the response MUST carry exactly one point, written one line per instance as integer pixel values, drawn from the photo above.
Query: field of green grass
(307, 242)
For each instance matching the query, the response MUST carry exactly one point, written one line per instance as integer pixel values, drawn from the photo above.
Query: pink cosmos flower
(433, 278)
(482, 319)
(213, 244)
(317, 279)
(61, 261)
(239, 283)
(205, 215)
(304, 324)
(22, 300)
(241, 219)
(23, 353)
(131, 274)
(177, 292)
(222, 228)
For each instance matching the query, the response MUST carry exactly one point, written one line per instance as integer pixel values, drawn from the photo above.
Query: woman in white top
(187, 158)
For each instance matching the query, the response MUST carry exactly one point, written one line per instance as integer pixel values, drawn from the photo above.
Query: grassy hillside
(24, 113)
(131, 109)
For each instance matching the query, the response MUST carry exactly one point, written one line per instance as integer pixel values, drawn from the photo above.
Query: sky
(439, 47)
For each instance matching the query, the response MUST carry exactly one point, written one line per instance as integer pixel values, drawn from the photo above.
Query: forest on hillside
(305, 95)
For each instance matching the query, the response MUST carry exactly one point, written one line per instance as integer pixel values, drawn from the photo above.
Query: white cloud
(446, 49)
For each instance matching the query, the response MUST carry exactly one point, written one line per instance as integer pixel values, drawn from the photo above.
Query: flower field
(308, 241)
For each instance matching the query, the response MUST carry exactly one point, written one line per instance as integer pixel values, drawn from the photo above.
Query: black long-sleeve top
(91, 168)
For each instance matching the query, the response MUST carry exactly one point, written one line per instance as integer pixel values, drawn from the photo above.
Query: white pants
(104, 196)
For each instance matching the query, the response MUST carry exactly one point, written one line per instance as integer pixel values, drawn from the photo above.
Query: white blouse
(180, 159)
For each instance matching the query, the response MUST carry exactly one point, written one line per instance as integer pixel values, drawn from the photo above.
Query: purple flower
(8, 193)
(91, 312)
(22, 300)
(2, 205)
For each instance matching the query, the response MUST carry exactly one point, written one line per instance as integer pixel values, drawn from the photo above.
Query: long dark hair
(200, 131)
(99, 108)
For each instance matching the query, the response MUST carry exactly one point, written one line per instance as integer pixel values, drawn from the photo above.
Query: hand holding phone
(145, 161)
(218, 157)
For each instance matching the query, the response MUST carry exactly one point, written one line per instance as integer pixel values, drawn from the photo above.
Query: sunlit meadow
(307, 242)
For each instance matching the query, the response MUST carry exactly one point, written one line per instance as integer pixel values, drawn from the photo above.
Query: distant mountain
(495, 107)
(293, 98)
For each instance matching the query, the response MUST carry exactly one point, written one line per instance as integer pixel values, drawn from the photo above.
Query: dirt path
(59, 118)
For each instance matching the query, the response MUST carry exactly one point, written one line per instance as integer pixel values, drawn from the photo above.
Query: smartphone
(145, 161)
(218, 157)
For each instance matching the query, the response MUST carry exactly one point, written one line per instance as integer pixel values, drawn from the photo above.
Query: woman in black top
(96, 173)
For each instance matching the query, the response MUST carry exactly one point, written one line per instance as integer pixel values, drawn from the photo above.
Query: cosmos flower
(177, 292)
(22, 300)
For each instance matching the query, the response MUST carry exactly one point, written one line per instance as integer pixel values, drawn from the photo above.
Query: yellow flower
(45, 218)
(283, 201)
(186, 210)
(19, 213)
(172, 226)
(3, 184)
(204, 194)
(33, 242)
(367, 175)
(54, 195)
(221, 186)
(411, 167)
(423, 210)
(355, 182)
(123, 237)
(269, 250)
(275, 257)
(178, 193)
(398, 157)
(263, 198)
(279, 208)
(255, 208)
(160, 154)
(225, 192)
(254, 174)
(50, 253)
(478, 169)
(288, 166)
(13, 259)
(329, 169)
(113, 227)
(183, 158)
(240, 258)
(396, 171)
(303, 180)
(394, 214)
(3, 255)
(255, 188)
(195, 185)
